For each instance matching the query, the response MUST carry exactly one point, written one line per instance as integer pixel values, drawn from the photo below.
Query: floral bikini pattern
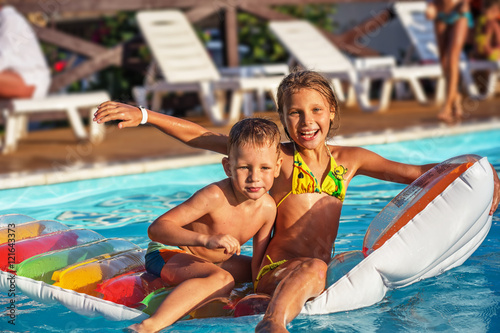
(304, 180)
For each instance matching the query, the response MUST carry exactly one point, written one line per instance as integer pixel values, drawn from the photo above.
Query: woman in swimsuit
(453, 20)
(309, 190)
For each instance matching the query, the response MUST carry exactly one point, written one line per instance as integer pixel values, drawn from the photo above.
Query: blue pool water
(465, 299)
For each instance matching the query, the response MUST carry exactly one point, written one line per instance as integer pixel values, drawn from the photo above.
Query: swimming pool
(465, 299)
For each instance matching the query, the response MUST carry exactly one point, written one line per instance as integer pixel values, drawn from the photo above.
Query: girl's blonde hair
(305, 79)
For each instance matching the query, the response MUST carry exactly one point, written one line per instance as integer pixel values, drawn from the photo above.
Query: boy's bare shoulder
(214, 194)
(268, 206)
(217, 190)
(268, 201)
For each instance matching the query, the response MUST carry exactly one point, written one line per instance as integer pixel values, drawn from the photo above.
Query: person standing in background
(453, 19)
(24, 72)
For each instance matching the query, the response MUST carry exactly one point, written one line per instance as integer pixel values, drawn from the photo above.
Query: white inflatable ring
(433, 225)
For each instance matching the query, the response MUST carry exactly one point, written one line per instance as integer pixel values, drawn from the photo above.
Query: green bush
(264, 47)
(110, 31)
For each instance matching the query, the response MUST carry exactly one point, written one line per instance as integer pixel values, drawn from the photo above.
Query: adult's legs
(197, 281)
(458, 36)
(12, 85)
(298, 280)
(451, 39)
(442, 36)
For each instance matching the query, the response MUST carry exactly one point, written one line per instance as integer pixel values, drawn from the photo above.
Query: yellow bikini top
(304, 181)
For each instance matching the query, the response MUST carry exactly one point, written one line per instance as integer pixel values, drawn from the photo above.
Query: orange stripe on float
(416, 208)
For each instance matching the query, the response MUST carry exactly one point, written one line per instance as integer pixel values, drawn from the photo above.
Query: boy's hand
(228, 242)
(129, 116)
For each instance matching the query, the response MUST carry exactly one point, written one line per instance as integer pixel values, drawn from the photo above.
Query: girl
(309, 190)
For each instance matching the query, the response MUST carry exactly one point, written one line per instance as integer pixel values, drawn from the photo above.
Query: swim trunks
(304, 181)
(158, 255)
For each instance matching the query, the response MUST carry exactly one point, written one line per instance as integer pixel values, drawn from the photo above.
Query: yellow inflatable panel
(84, 277)
(30, 229)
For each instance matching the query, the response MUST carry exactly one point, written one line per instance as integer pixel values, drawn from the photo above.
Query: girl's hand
(229, 243)
(496, 192)
(129, 116)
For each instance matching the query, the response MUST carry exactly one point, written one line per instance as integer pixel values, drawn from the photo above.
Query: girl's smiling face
(307, 116)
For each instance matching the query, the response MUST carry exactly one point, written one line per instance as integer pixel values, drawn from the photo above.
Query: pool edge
(101, 170)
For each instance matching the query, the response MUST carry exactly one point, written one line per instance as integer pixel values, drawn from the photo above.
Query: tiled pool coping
(99, 170)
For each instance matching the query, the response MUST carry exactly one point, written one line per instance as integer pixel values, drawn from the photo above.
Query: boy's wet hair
(256, 132)
(305, 79)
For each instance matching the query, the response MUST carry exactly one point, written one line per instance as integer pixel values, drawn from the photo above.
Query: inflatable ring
(433, 225)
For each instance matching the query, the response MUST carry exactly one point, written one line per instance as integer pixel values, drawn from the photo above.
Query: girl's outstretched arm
(374, 165)
(183, 130)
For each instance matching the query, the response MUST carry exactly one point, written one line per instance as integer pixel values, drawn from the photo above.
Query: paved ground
(53, 150)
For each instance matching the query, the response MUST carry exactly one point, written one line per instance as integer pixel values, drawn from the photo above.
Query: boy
(210, 227)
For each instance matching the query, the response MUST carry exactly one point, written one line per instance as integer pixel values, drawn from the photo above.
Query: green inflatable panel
(42, 266)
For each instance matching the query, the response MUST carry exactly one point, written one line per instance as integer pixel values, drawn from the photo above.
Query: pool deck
(53, 156)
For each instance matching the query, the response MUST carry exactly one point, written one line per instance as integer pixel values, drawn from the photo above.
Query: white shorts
(38, 78)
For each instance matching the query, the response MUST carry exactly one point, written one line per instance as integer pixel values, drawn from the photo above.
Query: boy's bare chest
(239, 223)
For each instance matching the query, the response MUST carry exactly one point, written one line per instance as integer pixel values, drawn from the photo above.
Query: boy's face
(252, 169)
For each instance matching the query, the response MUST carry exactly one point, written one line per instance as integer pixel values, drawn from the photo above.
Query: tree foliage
(263, 46)
(110, 31)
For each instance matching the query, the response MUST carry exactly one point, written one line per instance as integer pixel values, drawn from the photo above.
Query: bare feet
(269, 325)
(446, 117)
(452, 114)
(139, 328)
(130, 329)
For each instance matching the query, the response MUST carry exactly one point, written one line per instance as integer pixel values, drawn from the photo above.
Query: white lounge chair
(421, 33)
(16, 111)
(312, 50)
(183, 64)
